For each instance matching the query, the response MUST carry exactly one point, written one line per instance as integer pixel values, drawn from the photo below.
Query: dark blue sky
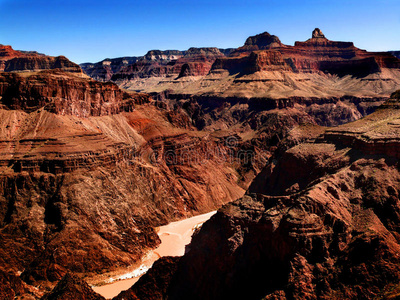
(88, 30)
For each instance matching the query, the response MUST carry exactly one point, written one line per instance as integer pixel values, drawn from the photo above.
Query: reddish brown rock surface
(12, 60)
(61, 93)
(83, 192)
(87, 171)
(71, 287)
(173, 64)
(332, 82)
(105, 69)
(320, 222)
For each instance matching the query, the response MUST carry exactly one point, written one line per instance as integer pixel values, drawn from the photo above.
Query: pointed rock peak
(317, 34)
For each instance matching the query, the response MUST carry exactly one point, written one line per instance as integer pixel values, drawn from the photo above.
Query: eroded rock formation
(319, 222)
(299, 70)
(12, 60)
(87, 171)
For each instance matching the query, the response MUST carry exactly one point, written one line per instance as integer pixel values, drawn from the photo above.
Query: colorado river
(174, 237)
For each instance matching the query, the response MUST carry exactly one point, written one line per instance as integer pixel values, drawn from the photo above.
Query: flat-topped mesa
(374, 138)
(341, 58)
(170, 63)
(13, 60)
(270, 60)
(166, 55)
(41, 62)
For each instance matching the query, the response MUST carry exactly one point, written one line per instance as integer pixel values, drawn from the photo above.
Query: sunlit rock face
(13, 60)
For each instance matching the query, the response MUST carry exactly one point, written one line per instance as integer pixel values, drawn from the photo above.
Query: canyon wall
(319, 222)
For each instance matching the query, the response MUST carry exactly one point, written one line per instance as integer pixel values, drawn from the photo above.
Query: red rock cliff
(12, 60)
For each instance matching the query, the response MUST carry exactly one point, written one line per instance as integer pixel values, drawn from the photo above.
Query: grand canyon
(296, 147)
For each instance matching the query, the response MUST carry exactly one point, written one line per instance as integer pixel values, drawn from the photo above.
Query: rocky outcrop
(156, 63)
(317, 33)
(193, 62)
(105, 69)
(197, 61)
(12, 60)
(209, 112)
(35, 63)
(62, 93)
(71, 287)
(7, 52)
(321, 54)
(266, 68)
(341, 58)
(257, 61)
(154, 284)
(319, 222)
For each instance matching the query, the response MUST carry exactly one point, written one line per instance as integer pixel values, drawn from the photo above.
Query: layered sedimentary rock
(12, 60)
(162, 64)
(57, 92)
(319, 222)
(331, 82)
(197, 61)
(87, 171)
(104, 69)
(266, 68)
(156, 63)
